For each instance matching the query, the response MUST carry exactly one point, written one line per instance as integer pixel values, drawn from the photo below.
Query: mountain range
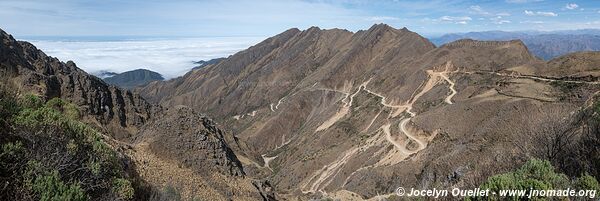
(546, 45)
(329, 113)
(359, 114)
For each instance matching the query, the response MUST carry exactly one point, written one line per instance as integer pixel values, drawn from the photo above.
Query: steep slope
(360, 114)
(188, 151)
(580, 64)
(274, 67)
(181, 149)
(134, 78)
(47, 153)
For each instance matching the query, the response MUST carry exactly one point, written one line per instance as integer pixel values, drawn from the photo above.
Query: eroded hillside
(357, 115)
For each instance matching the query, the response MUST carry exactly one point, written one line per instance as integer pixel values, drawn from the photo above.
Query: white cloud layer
(170, 57)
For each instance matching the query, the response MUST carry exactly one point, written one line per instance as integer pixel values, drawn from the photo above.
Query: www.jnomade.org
(478, 192)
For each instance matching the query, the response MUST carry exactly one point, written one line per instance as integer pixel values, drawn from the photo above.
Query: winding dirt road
(266, 160)
(325, 175)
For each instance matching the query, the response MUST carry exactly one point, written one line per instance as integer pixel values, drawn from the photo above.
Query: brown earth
(359, 114)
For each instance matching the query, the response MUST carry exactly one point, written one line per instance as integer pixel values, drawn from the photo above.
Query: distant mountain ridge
(202, 63)
(546, 45)
(134, 78)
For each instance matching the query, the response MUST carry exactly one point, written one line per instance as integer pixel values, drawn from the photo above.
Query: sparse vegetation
(51, 187)
(565, 86)
(123, 188)
(571, 142)
(47, 154)
(171, 193)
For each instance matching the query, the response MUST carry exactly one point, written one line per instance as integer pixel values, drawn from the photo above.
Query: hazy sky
(265, 18)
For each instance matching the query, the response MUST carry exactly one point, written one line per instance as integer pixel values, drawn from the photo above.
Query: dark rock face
(23, 65)
(134, 78)
(267, 192)
(194, 140)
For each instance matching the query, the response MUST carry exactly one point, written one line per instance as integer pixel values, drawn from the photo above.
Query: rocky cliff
(32, 71)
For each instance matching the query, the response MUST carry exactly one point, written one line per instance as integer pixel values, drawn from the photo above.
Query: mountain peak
(383, 28)
(133, 78)
(290, 31)
(314, 28)
(380, 28)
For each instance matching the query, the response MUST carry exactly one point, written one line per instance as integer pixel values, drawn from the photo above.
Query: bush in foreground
(537, 175)
(48, 154)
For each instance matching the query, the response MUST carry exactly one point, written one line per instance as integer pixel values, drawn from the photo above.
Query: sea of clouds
(171, 57)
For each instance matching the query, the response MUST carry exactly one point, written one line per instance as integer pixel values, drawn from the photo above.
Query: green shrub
(535, 174)
(54, 125)
(542, 171)
(95, 168)
(8, 108)
(51, 114)
(12, 150)
(31, 101)
(55, 103)
(72, 147)
(123, 189)
(587, 182)
(36, 117)
(68, 109)
(51, 188)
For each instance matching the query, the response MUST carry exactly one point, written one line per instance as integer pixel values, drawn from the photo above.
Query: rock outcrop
(191, 139)
(29, 69)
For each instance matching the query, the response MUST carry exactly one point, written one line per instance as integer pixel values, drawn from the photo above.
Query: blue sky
(265, 18)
